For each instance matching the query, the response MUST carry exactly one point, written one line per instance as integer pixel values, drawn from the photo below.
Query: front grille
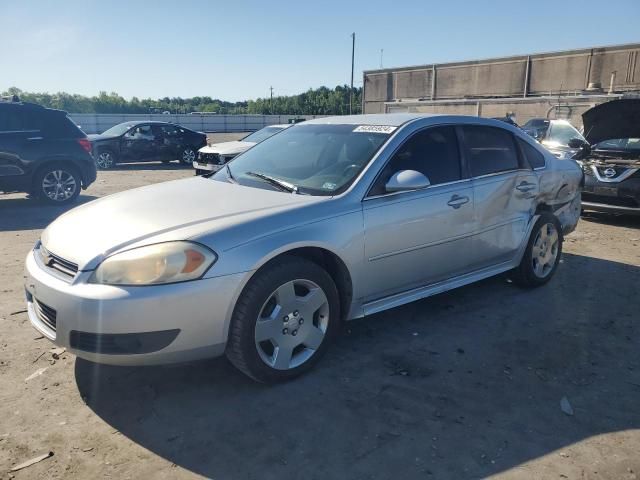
(615, 201)
(45, 313)
(212, 158)
(57, 263)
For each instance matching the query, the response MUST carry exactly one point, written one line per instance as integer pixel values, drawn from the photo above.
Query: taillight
(86, 144)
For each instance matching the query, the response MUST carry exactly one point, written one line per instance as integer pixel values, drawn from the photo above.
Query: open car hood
(614, 119)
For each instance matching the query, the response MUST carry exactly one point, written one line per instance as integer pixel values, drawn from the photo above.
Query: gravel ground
(466, 384)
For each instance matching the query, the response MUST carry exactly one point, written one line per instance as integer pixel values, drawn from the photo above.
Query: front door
(419, 237)
(138, 143)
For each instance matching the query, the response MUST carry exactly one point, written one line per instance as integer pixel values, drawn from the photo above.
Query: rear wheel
(283, 320)
(188, 156)
(57, 184)
(542, 255)
(106, 159)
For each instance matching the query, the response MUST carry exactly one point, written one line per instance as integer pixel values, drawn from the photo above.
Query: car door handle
(457, 201)
(526, 186)
(35, 138)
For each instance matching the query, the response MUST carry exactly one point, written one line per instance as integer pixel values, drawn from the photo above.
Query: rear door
(419, 237)
(172, 141)
(20, 139)
(504, 189)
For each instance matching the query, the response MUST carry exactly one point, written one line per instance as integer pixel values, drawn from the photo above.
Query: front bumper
(611, 196)
(151, 325)
(206, 166)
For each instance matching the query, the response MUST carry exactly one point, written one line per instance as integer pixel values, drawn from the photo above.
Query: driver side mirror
(406, 180)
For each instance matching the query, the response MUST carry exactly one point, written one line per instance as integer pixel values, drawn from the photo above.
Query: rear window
(532, 155)
(59, 125)
(490, 150)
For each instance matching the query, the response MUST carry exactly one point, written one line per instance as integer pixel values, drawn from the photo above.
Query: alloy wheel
(59, 185)
(545, 250)
(188, 156)
(292, 324)
(105, 160)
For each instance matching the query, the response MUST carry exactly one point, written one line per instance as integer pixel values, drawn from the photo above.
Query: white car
(212, 157)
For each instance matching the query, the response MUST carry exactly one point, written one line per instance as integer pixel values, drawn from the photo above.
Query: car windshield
(316, 159)
(261, 135)
(117, 130)
(561, 132)
(620, 144)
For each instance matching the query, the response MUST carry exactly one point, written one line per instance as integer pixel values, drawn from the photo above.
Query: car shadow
(24, 213)
(630, 221)
(465, 384)
(174, 165)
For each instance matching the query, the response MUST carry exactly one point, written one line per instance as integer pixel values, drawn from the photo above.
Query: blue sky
(237, 49)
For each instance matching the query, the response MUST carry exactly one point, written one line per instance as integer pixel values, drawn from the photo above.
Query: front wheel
(188, 156)
(542, 255)
(283, 321)
(57, 184)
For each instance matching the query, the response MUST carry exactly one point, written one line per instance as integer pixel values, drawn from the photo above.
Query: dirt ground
(466, 384)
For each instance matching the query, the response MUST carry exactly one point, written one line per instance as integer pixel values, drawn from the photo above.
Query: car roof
(33, 106)
(146, 122)
(399, 119)
(391, 119)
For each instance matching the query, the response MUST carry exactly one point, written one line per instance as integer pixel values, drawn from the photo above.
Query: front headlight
(168, 262)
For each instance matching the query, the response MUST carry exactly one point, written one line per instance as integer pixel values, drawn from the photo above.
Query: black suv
(146, 141)
(42, 152)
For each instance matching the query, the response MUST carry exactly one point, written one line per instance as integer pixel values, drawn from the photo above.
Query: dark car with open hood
(612, 165)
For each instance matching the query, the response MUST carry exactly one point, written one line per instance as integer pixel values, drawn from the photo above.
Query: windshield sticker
(375, 129)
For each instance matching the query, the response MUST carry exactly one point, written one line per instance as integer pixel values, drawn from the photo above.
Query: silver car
(333, 219)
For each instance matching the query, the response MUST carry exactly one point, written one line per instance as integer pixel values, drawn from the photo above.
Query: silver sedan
(329, 220)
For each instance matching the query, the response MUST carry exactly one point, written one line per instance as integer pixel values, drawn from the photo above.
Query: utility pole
(353, 51)
(381, 53)
(271, 101)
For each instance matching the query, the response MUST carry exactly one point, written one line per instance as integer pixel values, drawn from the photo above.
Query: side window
(489, 150)
(12, 119)
(141, 132)
(432, 152)
(4, 119)
(169, 130)
(531, 154)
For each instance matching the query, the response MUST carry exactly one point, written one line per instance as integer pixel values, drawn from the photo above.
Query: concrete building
(552, 85)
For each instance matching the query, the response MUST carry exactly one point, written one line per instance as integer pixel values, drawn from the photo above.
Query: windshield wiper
(281, 184)
(229, 174)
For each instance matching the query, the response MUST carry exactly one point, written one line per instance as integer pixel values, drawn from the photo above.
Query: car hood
(615, 119)
(176, 210)
(227, 148)
(99, 137)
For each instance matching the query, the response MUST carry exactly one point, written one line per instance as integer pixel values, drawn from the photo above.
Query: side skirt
(440, 287)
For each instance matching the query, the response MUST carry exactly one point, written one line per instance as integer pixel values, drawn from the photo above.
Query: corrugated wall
(519, 76)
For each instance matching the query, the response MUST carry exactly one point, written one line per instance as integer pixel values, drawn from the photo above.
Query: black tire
(188, 155)
(525, 274)
(242, 348)
(106, 159)
(48, 190)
